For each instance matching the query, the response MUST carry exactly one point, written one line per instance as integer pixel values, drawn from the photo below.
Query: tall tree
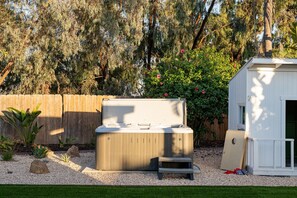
(284, 16)
(268, 28)
(14, 38)
(73, 45)
(235, 29)
(177, 24)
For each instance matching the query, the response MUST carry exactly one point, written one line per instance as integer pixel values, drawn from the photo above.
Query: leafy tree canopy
(94, 47)
(201, 77)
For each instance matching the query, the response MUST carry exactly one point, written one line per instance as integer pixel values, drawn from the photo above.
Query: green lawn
(141, 191)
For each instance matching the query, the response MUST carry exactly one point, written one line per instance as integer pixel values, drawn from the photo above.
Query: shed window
(241, 114)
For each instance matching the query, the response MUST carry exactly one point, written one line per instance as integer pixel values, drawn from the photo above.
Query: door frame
(284, 100)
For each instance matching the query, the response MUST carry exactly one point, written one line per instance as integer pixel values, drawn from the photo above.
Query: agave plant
(40, 151)
(24, 122)
(65, 157)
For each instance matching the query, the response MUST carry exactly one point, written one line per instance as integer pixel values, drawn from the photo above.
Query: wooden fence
(68, 117)
(216, 131)
(81, 116)
(50, 118)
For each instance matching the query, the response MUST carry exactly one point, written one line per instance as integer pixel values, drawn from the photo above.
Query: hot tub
(135, 132)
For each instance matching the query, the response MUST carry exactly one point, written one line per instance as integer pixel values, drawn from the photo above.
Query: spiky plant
(24, 122)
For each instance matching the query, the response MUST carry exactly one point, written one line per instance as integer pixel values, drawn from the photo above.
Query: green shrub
(40, 151)
(69, 140)
(7, 155)
(24, 122)
(6, 148)
(6, 144)
(200, 76)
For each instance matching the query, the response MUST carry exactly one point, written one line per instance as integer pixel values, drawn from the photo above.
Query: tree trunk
(5, 72)
(267, 28)
(198, 19)
(152, 24)
(199, 34)
(104, 68)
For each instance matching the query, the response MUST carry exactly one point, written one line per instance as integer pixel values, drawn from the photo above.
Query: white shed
(263, 102)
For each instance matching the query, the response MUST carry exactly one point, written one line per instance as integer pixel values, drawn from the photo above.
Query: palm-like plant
(24, 122)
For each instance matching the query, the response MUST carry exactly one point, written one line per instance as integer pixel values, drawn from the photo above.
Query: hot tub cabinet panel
(139, 151)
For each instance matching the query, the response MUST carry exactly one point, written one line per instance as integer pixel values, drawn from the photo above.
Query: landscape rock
(39, 167)
(73, 151)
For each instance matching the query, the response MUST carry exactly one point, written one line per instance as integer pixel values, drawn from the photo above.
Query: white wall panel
(237, 95)
(265, 89)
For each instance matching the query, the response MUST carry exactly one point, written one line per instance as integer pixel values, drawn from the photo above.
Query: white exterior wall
(237, 96)
(265, 110)
(263, 85)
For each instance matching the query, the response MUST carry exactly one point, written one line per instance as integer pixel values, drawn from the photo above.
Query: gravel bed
(80, 171)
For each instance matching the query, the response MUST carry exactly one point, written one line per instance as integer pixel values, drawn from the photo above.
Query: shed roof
(269, 63)
(274, 63)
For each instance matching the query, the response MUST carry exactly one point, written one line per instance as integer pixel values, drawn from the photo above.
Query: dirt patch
(211, 143)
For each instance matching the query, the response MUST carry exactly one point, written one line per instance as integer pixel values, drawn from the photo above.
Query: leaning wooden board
(234, 150)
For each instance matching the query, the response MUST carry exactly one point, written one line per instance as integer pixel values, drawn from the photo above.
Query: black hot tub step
(188, 171)
(185, 161)
(175, 159)
(176, 170)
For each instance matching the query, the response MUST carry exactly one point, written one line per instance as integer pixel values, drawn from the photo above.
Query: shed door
(291, 126)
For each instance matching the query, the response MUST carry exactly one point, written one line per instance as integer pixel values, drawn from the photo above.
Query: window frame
(241, 117)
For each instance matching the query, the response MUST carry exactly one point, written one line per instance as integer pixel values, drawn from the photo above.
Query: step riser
(174, 170)
(172, 159)
(188, 162)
